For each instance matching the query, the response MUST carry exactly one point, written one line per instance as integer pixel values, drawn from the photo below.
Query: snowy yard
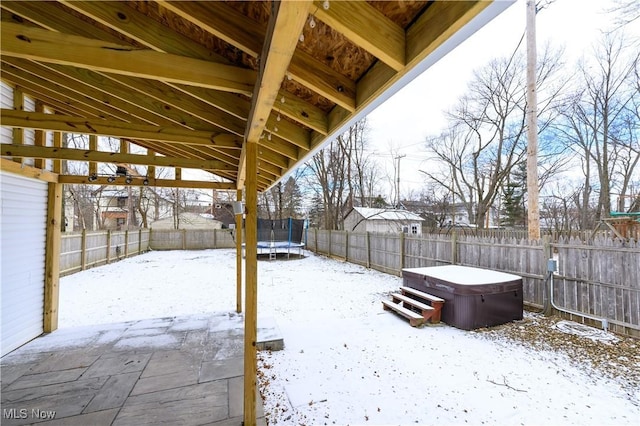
(346, 361)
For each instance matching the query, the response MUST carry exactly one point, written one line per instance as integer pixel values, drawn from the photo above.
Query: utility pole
(398, 157)
(533, 215)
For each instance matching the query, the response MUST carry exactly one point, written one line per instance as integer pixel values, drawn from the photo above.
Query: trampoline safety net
(290, 230)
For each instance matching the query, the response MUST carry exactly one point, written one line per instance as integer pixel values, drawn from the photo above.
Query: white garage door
(23, 204)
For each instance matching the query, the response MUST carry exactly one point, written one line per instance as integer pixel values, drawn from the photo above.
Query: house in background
(365, 219)
(187, 221)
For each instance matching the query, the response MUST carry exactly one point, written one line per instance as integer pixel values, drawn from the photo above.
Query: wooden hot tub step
(421, 294)
(415, 319)
(436, 302)
(407, 302)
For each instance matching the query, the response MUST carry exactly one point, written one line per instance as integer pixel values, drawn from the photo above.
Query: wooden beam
(438, 23)
(109, 157)
(46, 46)
(88, 92)
(303, 112)
(117, 129)
(251, 290)
(52, 257)
(323, 80)
(27, 171)
(158, 183)
(222, 21)
(143, 29)
(187, 110)
(366, 27)
(286, 22)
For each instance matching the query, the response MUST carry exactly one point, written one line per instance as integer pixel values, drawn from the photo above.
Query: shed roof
(387, 214)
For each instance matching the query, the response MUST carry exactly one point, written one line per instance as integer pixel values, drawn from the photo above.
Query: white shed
(365, 219)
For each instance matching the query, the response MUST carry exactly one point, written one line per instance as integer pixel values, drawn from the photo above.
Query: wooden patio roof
(192, 82)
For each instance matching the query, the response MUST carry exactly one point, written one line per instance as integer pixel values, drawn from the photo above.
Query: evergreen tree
(513, 211)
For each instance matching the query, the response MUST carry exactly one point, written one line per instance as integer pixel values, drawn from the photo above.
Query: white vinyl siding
(23, 205)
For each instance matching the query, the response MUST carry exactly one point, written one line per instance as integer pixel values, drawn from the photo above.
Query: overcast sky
(415, 112)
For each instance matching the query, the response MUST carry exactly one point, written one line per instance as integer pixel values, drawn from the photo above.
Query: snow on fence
(82, 250)
(600, 278)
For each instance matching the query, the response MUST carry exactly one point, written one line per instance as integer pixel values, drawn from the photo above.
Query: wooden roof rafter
(199, 66)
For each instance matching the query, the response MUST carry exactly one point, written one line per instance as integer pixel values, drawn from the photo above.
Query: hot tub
(473, 297)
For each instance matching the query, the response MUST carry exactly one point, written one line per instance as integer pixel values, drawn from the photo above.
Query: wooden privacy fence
(600, 279)
(82, 250)
(191, 239)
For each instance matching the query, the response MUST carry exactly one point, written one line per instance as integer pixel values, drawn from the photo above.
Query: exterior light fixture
(128, 180)
(93, 177)
(238, 207)
(111, 179)
(326, 5)
(121, 171)
(145, 182)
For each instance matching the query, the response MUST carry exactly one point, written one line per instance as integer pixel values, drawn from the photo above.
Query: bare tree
(599, 124)
(340, 173)
(626, 11)
(487, 138)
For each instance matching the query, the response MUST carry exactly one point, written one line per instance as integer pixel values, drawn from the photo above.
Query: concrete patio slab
(174, 371)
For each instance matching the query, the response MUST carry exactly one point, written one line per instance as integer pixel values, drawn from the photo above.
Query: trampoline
(280, 237)
(273, 248)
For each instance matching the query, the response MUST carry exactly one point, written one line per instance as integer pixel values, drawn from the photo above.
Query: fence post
(184, 239)
(546, 290)
(126, 243)
(329, 254)
(108, 246)
(83, 250)
(346, 246)
(401, 252)
(454, 247)
(215, 238)
(368, 246)
(140, 241)
(316, 238)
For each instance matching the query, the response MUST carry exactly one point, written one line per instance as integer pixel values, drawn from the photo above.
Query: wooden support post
(329, 243)
(215, 238)
(316, 240)
(251, 289)
(93, 146)
(239, 256)
(140, 241)
(126, 243)
(39, 139)
(52, 257)
(17, 133)
(83, 250)
(57, 143)
(108, 246)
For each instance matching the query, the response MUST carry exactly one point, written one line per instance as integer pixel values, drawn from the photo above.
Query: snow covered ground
(346, 361)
